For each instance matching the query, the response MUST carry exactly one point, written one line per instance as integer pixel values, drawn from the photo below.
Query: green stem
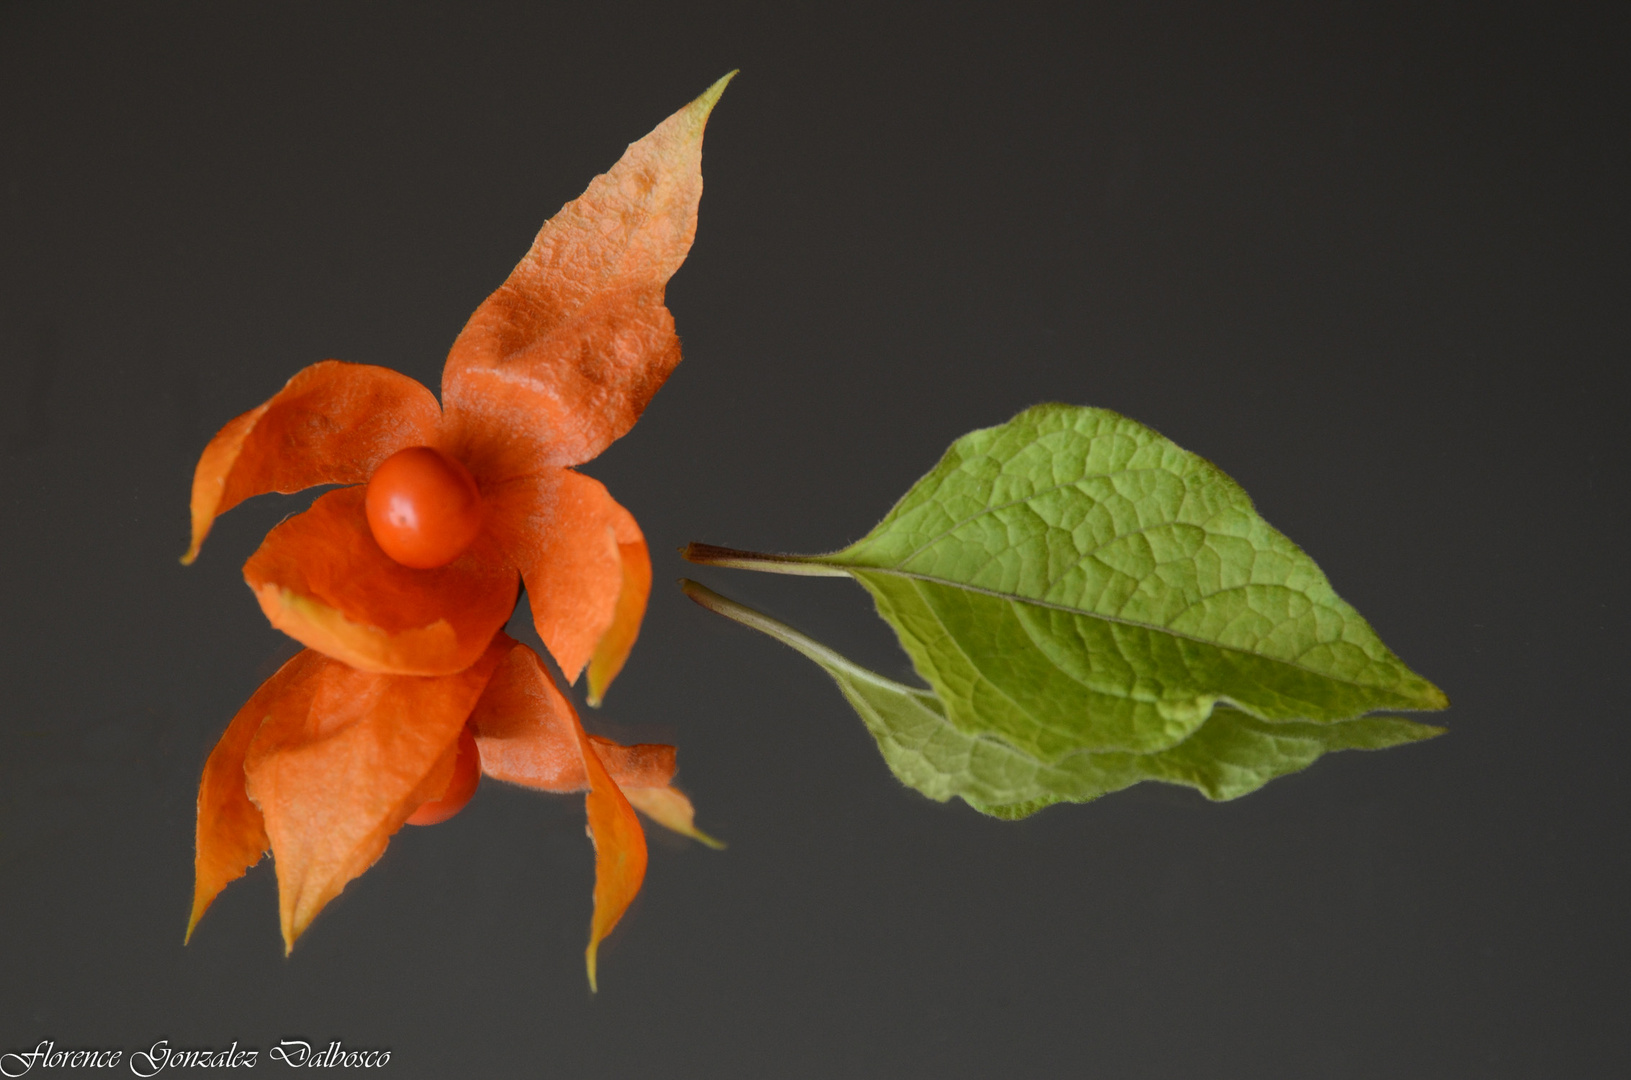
(724, 605)
(804, 565)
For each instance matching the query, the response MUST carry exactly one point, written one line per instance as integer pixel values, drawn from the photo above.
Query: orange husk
(341, 760)
(563, 357)
(640, 765)
(526, 732)
(668, 807)
(614, 645)
(330, 424)
(464, 777)
(620, 851)
(583, 560)
(231, 836)
(321, 579)
(327, 760)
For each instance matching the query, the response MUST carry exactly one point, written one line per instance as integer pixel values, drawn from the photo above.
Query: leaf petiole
(737, 559)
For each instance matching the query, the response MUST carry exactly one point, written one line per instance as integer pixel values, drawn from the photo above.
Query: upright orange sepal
(564, 356)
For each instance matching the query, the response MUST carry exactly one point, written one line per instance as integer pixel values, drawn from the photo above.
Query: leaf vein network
(984, 510)
(958, 645)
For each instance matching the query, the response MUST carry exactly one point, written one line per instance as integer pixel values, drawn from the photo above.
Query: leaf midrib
(1121, 621)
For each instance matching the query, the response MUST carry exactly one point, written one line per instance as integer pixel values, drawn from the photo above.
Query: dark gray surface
(1372, 261)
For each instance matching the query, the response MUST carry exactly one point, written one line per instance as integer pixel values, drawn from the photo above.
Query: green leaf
(1072, 580)
(1229, 755)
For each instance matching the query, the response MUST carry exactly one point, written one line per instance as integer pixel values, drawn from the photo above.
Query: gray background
(1370, 259)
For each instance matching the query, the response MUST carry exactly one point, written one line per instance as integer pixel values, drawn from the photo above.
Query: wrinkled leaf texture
(1082, 593)
(1231, 754)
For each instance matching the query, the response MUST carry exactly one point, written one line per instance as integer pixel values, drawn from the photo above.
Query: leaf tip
(1426, 697)
(589, 963)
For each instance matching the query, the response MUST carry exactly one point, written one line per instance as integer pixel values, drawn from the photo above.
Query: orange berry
(423, 507)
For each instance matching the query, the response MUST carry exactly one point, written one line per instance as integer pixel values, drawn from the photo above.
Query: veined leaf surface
(1072, 580)
(1228, 755)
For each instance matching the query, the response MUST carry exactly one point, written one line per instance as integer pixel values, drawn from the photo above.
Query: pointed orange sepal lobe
(564, 356)
(528, 733)
(668, 807)
(614, 645)
(321, 579)
(584, 562)
(341, 761)
(620, 851)
(231, 836)
(330, 424)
